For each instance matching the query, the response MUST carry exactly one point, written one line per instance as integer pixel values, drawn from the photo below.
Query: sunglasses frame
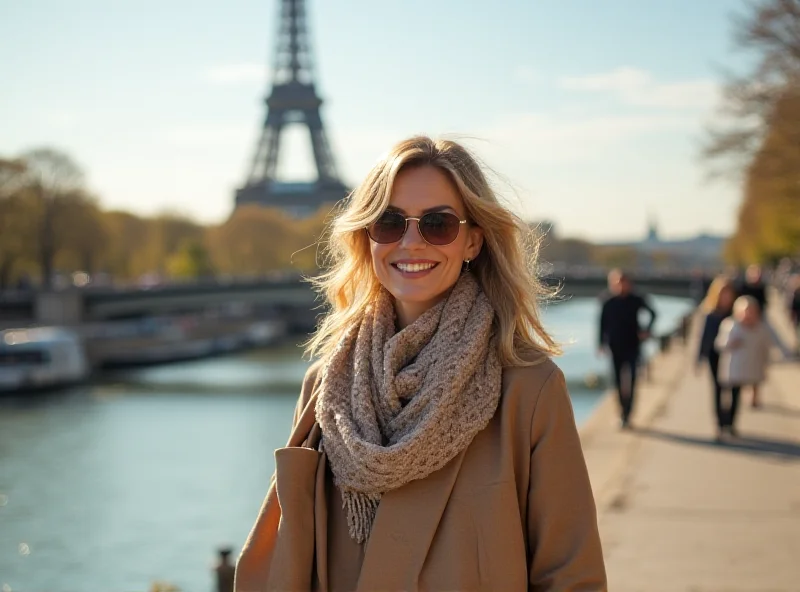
(417, 220)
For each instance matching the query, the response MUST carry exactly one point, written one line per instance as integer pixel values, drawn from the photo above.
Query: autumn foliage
(50, 224)
(761, 136)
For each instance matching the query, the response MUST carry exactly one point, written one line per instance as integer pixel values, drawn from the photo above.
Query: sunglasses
(436, 228)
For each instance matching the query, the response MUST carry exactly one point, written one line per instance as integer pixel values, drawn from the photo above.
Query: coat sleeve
(646, 306)
(602, 338)
(724, 336)
(253, 564)
(706, 345)
(566, 554)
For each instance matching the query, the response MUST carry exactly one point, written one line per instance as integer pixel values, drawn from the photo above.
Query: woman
(744, 343)
(718, 305)
(434, 445)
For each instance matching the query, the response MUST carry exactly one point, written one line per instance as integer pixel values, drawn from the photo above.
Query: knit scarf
(397, 406)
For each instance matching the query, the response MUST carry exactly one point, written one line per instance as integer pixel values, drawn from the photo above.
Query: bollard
(663, 343)
(685, 328)
(224, 571)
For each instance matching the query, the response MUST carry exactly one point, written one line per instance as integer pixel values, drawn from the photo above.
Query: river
(141, 475)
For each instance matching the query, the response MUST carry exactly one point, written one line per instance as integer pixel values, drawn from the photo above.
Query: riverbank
(156, 449)
(678, 511)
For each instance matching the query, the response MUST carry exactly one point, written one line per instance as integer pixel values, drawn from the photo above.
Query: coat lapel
(405, 524)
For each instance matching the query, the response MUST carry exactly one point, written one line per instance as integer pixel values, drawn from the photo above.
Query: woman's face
(726, 298)
(748, 315)
(416, 273)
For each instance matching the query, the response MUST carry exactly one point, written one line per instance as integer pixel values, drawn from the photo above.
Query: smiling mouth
(414, 267)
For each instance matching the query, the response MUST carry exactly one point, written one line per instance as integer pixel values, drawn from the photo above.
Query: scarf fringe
(361, 509)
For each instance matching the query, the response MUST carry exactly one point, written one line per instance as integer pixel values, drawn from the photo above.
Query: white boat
(40, 358)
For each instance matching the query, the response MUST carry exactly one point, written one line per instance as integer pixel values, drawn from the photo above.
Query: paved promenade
(679, 512)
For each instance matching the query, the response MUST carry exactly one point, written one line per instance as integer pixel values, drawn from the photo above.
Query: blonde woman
(434, 445)
(717, 306)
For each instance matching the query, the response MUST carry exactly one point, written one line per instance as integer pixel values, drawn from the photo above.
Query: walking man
(621, 334)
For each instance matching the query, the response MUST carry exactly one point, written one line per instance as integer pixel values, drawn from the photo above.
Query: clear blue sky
(591, 112)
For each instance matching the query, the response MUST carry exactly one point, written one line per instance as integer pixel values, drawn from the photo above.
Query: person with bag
(434, 445)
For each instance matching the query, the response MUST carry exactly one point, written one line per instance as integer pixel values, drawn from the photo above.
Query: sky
(590, 114)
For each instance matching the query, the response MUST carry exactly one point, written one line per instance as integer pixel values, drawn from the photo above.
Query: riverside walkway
(679, 512)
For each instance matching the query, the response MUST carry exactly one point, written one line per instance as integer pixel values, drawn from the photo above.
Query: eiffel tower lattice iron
(292, 100)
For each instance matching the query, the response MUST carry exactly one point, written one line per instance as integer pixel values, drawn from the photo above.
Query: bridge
(290, 296)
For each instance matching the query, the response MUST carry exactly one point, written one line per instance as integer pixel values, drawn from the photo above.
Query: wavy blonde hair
(505, 267)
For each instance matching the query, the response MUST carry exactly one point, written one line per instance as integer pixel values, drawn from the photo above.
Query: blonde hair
(742, 303)
(715, 290)
(504, 269)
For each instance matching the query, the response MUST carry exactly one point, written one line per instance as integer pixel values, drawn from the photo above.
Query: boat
(41, 358)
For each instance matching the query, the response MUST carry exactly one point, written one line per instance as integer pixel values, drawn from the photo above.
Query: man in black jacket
(621, 334)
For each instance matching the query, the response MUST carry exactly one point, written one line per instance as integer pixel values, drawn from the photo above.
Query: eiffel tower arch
(292, 100)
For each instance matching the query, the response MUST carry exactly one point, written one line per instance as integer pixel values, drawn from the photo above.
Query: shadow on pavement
(783, 449)
(779, 409)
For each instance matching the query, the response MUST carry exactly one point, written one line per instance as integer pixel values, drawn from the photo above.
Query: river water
(141, 476)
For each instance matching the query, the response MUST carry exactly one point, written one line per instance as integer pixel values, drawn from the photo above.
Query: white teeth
(413, 267)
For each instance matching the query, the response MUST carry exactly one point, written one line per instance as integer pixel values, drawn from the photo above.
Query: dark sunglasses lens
(439, 228)
(389, 228)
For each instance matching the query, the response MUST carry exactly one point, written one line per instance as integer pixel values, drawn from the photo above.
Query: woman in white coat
(744, 343)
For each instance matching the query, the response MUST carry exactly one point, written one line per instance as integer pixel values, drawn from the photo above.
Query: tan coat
(514, 511)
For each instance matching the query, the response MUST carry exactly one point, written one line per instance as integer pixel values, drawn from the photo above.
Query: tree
(615, 256)
(769, 218)
(81, 236)
(165, 234)
(771, 30)
(190, 261)
(124, 255)
(49, 177)
(11, 175)
(17, 221)
(568, 251)
(760, 140)
(309, 235)
(253, 240)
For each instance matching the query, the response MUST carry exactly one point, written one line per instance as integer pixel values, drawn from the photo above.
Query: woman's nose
(412, 238)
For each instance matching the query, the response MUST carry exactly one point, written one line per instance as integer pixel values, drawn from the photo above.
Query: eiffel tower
(293, 100)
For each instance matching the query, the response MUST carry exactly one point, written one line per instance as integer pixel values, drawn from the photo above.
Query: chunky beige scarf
(395, 407)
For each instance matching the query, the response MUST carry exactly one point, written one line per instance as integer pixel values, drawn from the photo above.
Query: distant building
(703, 251)
(652, 232)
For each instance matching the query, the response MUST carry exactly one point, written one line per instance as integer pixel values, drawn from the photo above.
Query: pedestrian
(744, 343)
(434, 445)
(753, 285)
(621, 335)
(717, 305)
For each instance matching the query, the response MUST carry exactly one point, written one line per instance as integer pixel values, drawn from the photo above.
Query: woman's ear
(474, 242)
